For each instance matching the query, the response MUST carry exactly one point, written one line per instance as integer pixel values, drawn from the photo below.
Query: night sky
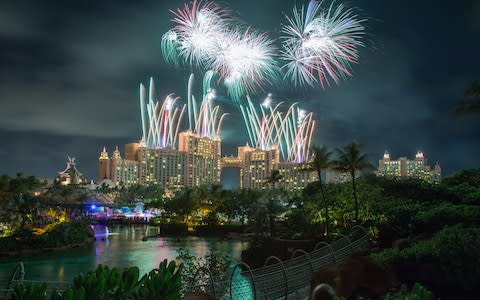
(69, 76)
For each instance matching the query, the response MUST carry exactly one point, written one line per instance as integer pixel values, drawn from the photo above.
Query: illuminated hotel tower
(409, 168)
(256, 167)
(202, 159)
(103, 165)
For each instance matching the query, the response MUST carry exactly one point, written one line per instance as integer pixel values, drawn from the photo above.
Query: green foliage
(62, 234)
(412, 190)
(162, 283)
(109, 284)
(30, 292)
(418, 292)
(454, 249)
(217, 263)
(465, 185)
(150, 194)
(105, 283)
(446, 214)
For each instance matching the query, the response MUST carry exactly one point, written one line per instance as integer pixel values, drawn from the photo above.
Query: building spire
(104, 153)
(116, 153)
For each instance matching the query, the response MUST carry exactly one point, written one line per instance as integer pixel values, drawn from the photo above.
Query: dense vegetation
(108, 284)
(51, 236)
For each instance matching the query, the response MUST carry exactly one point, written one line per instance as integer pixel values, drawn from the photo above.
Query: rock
(322, 291)
(401, 243)
(198, 296)
(356, 276)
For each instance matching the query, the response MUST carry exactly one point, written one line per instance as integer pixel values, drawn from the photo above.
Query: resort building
(70, 176)
(334, 176)
(195, 163)
(409, 168)
(256, 167)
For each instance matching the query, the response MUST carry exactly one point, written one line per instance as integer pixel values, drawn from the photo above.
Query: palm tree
(321, 161)
(471, 104)
(351, 160)
(274, 177)
(272, 205)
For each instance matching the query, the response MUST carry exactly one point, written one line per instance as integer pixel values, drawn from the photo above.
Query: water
(117, 246)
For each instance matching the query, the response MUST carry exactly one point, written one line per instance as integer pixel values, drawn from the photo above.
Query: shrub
(30, 292)
(435, 218)
(109, 284)
(454, 250)
(418, 292)
(162, 283)
(216, 263)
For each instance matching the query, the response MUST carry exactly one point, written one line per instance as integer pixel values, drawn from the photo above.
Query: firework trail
(160, 121)
(263, 125)
(297, 132)
(268, 127)
(320, 45)
(205, 36)
(206, 118)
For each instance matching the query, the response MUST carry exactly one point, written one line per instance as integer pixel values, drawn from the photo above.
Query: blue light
(93, 206)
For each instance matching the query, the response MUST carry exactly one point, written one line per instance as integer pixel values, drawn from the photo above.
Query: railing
(17, 276)
(278, 279)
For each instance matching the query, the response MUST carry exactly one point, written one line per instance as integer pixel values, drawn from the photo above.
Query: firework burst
(246, 62)
(320, 45)
(205, 36)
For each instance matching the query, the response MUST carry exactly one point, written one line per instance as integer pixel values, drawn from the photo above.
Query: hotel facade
(404, 168)
(198, 162)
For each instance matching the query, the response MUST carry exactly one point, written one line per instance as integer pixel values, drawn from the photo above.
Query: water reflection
(117, 246)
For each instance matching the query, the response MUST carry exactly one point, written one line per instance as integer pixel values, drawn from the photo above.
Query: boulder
(401, 243)
(356, 276)
(198, 296)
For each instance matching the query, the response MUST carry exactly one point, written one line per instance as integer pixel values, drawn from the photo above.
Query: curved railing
(17, 276)
(278, 279)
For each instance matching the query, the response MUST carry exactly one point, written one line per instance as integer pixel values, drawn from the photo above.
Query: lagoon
(118, 246)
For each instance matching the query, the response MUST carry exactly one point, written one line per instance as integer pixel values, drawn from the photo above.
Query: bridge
(231, 162)
(277, 279)
(280, 279)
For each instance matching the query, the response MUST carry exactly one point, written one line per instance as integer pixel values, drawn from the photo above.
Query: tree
(274, 177)
(321, 161)
(273, 207)
(471, 103)
(352, 160)
(66, 192)
(183, 204)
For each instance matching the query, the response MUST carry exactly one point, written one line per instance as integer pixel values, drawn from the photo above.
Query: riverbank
(23, 252)
(53, 237)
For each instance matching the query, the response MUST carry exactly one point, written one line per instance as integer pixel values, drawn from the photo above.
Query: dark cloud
(69, 76)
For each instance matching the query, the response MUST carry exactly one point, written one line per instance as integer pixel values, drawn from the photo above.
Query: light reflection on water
(118, 246)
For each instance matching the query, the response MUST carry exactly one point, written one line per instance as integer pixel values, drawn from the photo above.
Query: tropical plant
(215, 262)
(30, 291)
(321, 161)
(109, 284)
(352, 160)
(162, 283)
(274, 178)
(471, 103)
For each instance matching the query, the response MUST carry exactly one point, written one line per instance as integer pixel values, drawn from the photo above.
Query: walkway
(280, 279)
